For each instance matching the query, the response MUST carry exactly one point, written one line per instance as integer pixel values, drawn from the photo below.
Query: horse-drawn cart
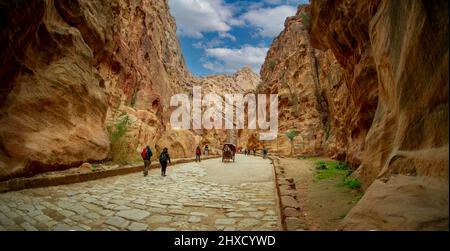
(228, 152)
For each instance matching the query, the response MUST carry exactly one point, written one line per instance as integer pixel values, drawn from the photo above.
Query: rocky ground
(191, 197)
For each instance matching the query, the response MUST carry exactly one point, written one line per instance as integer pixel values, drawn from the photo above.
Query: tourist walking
(206, 151)
(198, 152)
(146, 155)
(254, 151)
(265, 153)
(164, 158)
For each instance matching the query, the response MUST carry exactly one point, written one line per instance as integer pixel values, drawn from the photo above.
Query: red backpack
(144, 153)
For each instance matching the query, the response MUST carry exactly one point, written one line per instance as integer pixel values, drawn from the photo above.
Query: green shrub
(339, 165)
(352, 183)
(333, 169)
(271, 64)
(342, 166)
(305, 20)
(291, 136)
(321, 165)
(120, 129)
(120, 151)
(329, 173)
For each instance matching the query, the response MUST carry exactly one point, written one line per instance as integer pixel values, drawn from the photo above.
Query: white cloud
(286, 2)
(269, 21)
(208, 44)
(261, 19)
(214, 66)
(273, 2)
(197, 16)
(227, 35)
(230, 60)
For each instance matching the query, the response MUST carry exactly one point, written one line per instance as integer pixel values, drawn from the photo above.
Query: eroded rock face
(291, 71)
(342, 28)
(144, 69)
(409, 134)
(53, 102)
(404, 164)
(385, 102)
(70, 68)
(314, 97)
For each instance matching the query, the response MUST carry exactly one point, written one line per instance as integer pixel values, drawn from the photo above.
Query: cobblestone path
(194, 196)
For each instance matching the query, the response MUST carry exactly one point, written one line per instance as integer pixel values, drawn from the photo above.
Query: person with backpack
(198, 152)
(164, 157)
(146, 155)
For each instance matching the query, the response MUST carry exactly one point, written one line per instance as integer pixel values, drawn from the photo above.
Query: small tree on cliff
(291, 136)
(119, 152)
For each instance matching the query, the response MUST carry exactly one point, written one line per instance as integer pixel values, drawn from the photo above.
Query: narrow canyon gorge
(363, 82)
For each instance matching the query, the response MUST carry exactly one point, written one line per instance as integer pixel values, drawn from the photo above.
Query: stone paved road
(194, 196)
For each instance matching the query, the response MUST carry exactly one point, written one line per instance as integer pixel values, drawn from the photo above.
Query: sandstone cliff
(72, 68)
(314, 97)
(397, 51)
(291, 71)
(53, 100)
(344, 32)
(367, 82)
(143, 71)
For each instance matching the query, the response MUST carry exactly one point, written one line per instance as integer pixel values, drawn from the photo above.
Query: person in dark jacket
(147, 155)
(198, 152)
(164, 158)
(265, 153)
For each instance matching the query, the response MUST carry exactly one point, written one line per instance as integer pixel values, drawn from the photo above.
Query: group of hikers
(198, 153)
(164, 158)
(265, 152)
(248, 151)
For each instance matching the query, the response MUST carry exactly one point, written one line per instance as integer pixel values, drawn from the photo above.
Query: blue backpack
(146, 153)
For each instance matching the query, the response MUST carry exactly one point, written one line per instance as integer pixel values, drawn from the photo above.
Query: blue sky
(222, 36)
